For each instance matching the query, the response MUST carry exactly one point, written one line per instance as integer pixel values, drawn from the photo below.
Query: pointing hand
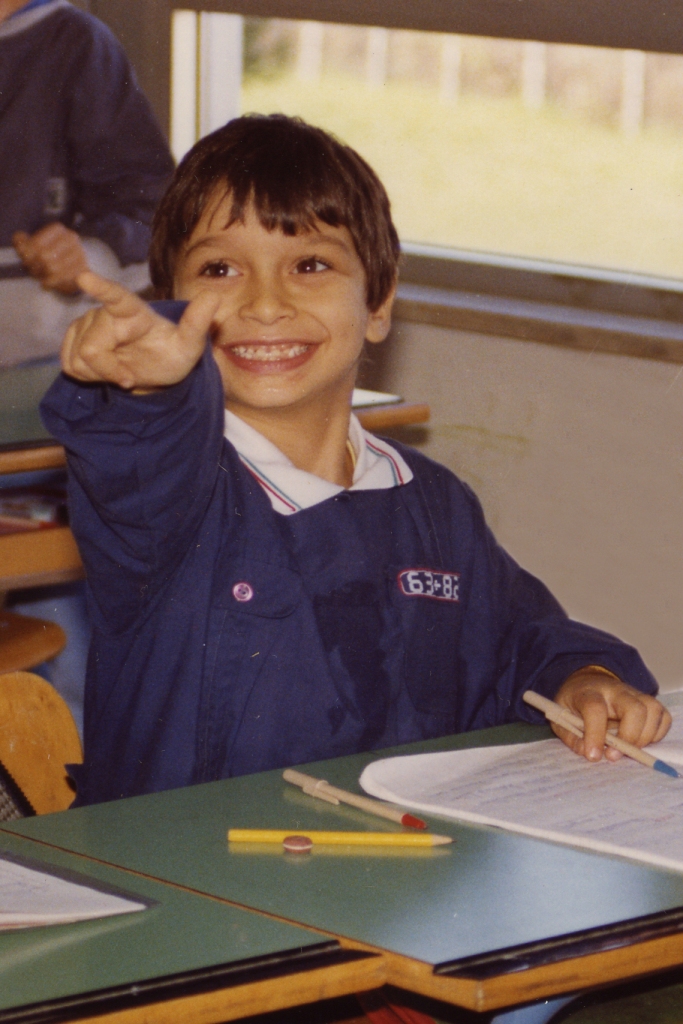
(125, 342)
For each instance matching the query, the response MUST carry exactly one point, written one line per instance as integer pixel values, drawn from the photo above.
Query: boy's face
(293, 317)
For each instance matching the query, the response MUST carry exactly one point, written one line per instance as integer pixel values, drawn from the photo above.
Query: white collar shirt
(378, 467)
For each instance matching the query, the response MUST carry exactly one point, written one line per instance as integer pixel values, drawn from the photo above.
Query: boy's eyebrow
(316, 237)
(202, 243)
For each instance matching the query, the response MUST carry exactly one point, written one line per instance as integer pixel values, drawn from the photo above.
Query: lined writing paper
(30, 897)
(543, 789)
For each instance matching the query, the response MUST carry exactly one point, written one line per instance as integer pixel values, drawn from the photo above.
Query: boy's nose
(267, 302)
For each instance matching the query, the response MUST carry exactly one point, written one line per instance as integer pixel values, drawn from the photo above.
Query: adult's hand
(54, 255)
(125, 342)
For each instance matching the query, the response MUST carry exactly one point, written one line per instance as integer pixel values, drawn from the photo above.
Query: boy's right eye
(217, 268)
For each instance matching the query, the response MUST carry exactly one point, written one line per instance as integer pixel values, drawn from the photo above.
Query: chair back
(25, 642)
(38, 737)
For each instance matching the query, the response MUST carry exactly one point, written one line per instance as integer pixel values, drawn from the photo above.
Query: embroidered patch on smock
(56, 197)
(440, 586)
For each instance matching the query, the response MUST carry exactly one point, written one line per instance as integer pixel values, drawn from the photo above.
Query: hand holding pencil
(599, 698)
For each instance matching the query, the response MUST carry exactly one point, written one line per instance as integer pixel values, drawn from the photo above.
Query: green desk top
(177, 941)
(21, 389)
(490, 890)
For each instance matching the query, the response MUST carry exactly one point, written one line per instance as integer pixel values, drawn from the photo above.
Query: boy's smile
(264, 358)
(293, 315)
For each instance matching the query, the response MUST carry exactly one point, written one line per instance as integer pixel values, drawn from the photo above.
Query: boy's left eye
(217, 268)
(311, 265)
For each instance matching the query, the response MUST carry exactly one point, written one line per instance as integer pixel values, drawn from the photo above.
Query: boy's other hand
(54, 256)
(125, 342)
(603, 701)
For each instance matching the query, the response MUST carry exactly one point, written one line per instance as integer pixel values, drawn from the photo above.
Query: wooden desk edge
(296, 989)
(39, 558)
(52, 456)
(384, 417)
(572, 975)
(29, 460)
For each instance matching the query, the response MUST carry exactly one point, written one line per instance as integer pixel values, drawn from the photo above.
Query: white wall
(578, 460)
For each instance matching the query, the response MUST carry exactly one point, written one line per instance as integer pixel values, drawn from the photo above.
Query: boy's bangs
(291, 218)
(288, 196)
(293, 176)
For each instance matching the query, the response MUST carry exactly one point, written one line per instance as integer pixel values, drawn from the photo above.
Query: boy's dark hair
(294, 174)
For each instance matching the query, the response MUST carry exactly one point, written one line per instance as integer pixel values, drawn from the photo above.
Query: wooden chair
(38, 736)
(26, 642)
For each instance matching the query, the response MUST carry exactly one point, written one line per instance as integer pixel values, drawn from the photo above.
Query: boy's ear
(379, 322)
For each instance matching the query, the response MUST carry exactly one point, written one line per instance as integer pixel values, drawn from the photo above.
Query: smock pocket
(252, 623)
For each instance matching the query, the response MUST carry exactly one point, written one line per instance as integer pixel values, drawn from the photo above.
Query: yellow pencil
(278, 835)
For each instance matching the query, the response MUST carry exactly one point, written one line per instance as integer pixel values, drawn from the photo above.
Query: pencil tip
(441, 840)
(666, 769)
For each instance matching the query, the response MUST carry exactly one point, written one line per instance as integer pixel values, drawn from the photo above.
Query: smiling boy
(269, 583)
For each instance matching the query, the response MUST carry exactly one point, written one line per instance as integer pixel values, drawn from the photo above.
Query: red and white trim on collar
(378, 467)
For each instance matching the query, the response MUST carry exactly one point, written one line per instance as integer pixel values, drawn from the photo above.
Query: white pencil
(333, 795)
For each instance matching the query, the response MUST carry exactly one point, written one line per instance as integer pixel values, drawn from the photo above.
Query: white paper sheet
(30, 897)
(361, 398)
(543, 789)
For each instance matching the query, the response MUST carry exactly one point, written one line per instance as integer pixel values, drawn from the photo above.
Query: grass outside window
(486, 173)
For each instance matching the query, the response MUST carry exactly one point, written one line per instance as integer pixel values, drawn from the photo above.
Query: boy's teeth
(269, 353)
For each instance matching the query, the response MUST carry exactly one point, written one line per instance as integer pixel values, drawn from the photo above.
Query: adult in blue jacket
(84, 165)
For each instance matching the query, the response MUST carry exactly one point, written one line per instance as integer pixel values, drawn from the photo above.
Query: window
(549, 151)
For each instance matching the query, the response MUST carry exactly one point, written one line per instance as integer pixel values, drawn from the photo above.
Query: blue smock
(230, 639)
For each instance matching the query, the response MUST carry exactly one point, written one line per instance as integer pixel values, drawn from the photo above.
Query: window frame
(653, 25)
(554, 303)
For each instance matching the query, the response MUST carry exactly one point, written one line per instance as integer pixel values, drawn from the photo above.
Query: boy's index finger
(116, 299)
